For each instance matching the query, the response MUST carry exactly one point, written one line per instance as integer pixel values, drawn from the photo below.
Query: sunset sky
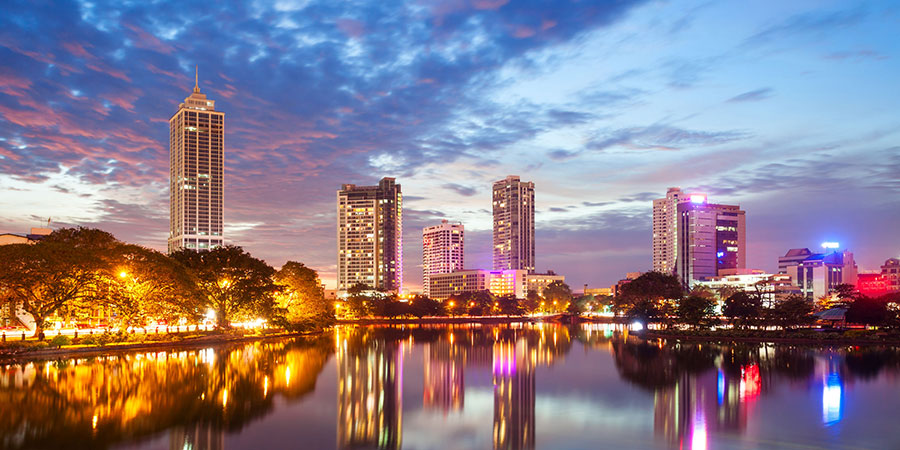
(789, 109)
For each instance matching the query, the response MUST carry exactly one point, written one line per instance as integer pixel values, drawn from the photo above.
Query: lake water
(459, 387)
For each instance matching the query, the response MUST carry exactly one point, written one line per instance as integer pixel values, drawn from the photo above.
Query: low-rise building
(444, 285)
(891, 273)
(498, 282)
(539, 281)
(35, 235)
(818, 274)
(771, 288)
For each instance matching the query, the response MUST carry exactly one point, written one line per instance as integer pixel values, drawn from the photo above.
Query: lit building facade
(370, 236)
(35, 235)
(819, 273)
(771, 287)
(890, 271)
(539, 281)
(665, 216)
(513, 207)
(499, 282)
(442, 250)
(196, 174)
(710, 238)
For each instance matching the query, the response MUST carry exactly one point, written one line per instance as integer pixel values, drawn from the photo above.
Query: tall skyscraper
(711, 238)
(664, 235)
(369, 235)
(513, 203)
(196, 174)
(442, 250)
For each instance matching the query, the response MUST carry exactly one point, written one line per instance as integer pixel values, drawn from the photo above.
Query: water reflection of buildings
(514, 382)
(711, 401)
(444, 376)
(370, 391)
(370, 378)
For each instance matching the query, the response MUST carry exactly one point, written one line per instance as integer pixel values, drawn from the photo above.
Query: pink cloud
(522, 32)
(351, 27)
(148, 41)
(488, 4)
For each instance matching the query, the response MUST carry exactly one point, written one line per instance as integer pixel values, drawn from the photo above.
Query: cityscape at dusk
(787, 110)
(449, 224)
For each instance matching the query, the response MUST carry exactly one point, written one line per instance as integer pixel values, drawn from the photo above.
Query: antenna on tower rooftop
(196, 79)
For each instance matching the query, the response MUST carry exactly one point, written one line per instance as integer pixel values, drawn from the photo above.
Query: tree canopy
(234, 284)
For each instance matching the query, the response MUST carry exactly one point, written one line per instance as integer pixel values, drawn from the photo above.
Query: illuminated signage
(831, 245)
(698, 198)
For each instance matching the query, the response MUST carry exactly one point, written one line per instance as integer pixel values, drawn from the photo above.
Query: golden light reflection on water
(115, 398)
(195, 397)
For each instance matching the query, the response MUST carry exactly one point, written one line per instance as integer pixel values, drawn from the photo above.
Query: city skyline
(790, 113)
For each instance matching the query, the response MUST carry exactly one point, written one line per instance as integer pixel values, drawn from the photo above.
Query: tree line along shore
(77, 276)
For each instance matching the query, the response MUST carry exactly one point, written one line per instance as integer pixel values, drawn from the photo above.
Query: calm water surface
(461, 387)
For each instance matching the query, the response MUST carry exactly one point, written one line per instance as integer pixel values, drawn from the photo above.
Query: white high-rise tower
(442, 251)
(196, 174)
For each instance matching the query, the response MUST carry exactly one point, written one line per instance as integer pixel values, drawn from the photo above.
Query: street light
(123, 274)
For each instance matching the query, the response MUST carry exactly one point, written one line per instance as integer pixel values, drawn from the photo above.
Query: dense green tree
(233, 283)
(557, 296)
(650, 295)
(48, 276)
(147, 285)
(302, 297)
(532, 302)
(696, 309)
(742, 308)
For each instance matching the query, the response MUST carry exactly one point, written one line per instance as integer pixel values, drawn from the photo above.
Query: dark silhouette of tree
(421, 306)
(358, 297)
(532, 302)
(509, 305)
(869, 311)
(696, 309)
(793, 311)
(742, 308)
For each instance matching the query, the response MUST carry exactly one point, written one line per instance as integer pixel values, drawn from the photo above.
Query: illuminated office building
(513, 207)
(370, 236)
(196, 174)
(710, 239)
